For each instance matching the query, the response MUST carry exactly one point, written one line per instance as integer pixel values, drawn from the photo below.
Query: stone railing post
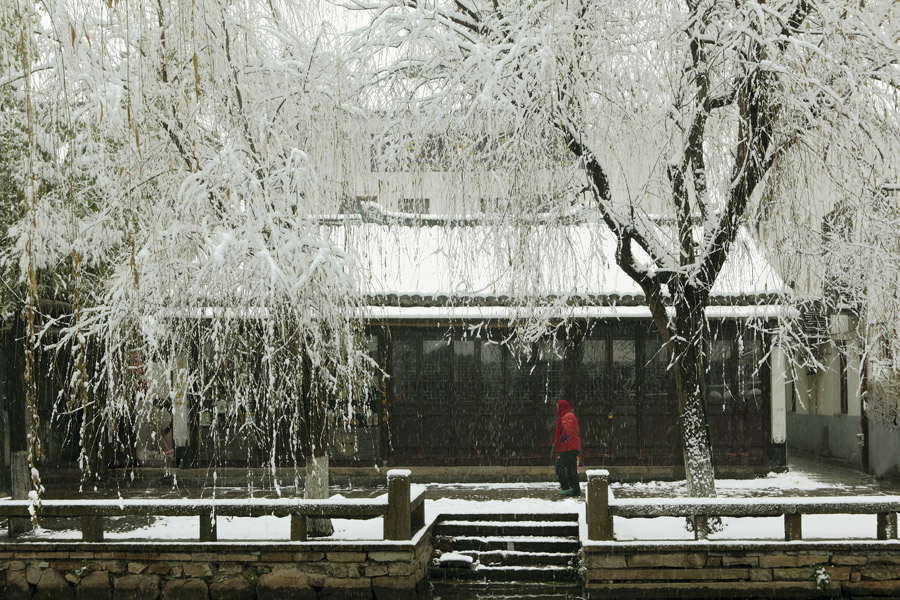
(398, 520)
(887, 526)
(599, 522)
(20, 482)
(92, 529)
(793, 527)
(298, 528)
(208, 528)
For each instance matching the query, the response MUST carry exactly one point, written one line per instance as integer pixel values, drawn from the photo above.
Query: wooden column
(793, 527)
(599, 521)
(398, 520)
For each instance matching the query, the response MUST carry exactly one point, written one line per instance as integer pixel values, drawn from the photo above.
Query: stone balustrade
(402, 513)
(788, 569)
(389, 569)
(602, 506)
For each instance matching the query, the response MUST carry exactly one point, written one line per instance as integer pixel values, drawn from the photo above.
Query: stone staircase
(532, 555)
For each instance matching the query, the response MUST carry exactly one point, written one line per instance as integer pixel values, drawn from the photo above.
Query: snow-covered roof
(484, 261)
(506, 313)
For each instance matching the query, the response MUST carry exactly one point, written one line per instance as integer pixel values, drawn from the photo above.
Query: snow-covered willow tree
(860, 279)
(678, 122)
(174, 156)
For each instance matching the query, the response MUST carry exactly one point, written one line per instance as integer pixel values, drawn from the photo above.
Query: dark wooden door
(473, 414)
(495, 407)
(405, 431)
(592, 399)
(624, 439)
(549, 377)
(751, 425)
(738, 401)
(659, 426)
(437, 398)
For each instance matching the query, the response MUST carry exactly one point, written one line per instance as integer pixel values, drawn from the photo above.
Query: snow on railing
(403, 513)
(602, 506)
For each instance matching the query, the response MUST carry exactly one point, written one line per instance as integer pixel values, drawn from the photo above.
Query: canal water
(504, 591)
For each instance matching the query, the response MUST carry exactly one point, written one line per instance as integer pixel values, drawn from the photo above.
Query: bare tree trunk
(315, 450)
(690, 357)
(316, 487)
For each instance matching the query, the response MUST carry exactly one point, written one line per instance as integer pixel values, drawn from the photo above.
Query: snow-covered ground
(541, 497)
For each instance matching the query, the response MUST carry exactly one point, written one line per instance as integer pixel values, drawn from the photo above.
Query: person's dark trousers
(567, 470)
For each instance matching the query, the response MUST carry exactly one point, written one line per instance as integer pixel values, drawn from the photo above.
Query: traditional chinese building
(464, 391)
(476, 351)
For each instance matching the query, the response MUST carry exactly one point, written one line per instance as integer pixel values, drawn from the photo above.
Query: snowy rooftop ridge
(506, 313)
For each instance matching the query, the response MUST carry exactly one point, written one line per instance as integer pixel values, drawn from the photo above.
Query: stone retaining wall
(741, 569)
(214, 570)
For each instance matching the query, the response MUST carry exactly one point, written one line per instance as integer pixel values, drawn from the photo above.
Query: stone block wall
(213, 570)
(741, 569)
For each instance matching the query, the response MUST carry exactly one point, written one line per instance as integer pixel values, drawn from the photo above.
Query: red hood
(562, 408)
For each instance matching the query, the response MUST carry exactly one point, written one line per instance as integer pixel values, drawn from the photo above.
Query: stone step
(511, 543)
(523, 573)
(507, 574)
(555, 516)
(510, 548)
(510, 558)
(507, 528)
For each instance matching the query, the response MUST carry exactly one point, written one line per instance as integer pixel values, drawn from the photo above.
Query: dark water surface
(520, 592)
(504, 591)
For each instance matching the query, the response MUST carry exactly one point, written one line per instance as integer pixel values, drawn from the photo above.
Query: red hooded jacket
(567, 436)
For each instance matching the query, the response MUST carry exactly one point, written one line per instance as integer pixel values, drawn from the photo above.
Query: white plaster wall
(884, 449)
(817, 425)
(832, 436)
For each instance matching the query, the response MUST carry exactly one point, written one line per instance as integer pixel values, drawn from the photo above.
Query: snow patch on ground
(229, 528)
(815, 527)
(455, 559)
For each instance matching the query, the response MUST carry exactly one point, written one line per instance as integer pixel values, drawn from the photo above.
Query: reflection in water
(505, 591)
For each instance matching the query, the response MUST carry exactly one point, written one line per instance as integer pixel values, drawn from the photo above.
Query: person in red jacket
(567, 445)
